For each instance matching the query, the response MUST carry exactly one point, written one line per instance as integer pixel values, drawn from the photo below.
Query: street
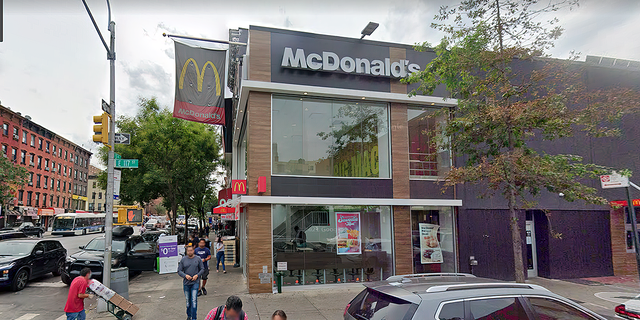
(43, 298)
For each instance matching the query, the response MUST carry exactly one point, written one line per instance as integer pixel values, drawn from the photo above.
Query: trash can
(120, 281)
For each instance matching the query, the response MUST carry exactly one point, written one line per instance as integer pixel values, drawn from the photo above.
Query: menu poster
(430, 251)
(348, 232)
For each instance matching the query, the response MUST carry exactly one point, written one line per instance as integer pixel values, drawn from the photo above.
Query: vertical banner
(348, 232)
(430, 251)
(168, 254)
(117, 177)
(199, 84)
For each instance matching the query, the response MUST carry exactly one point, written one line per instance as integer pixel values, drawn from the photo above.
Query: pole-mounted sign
(123, 138)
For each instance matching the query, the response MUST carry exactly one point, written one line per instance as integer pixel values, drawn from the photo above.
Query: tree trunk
(516, 237)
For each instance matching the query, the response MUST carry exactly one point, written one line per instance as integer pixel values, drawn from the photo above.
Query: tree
(177, 158)
(11, 177)
(511, 96)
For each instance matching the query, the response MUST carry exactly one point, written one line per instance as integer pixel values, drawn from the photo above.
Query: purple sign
(169, 249)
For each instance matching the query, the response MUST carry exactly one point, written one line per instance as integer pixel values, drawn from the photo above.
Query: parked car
(11, 234)
(31, 230)
(25, 259)
(460, 297)
(126, 251)
(153, 236)
(151, 224)
(629, 309)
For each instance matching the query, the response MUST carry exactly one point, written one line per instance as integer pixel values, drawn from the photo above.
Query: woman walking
(220, 255)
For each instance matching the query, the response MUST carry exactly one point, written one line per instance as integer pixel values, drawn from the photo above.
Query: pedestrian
(279, 315)
(220, 255)
(205, 255)
(191, 268)
(206, 230)
(77, 293)
(193, 240)
(208, 242)
(231, 310)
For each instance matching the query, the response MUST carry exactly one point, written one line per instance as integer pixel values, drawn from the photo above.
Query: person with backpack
(231, 310)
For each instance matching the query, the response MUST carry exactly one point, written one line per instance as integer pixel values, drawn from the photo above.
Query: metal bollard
(279, 281)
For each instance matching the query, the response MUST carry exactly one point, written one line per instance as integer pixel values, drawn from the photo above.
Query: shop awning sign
(614, 180)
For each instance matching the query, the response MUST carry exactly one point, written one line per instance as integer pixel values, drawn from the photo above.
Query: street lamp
(369, 29)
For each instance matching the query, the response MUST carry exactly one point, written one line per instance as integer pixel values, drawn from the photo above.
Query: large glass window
(332, 244)
(426, 157)
(432, 237)
(320, 137)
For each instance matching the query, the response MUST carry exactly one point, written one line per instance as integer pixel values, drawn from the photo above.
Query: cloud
(147, 75)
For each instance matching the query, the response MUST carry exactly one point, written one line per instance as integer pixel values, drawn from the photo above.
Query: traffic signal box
(101, 128)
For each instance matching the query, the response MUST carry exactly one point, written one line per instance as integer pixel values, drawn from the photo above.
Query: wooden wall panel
(400, 151)
(258, 164)
(624, 264)
(259, 55)
(402, 239)
(397, 54)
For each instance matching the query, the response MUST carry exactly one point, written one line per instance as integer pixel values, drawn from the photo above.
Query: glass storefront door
(332, 244)
(433, 239)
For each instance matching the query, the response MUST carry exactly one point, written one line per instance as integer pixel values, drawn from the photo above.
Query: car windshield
(16, 248)
(25, 224)
(97, 244)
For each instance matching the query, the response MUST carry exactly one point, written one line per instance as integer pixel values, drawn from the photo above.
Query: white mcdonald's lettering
(199, 74)
(330, 61)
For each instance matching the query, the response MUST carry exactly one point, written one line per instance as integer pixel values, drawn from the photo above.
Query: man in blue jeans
(191, 268)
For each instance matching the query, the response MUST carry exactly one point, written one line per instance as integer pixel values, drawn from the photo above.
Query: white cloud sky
(53, 66)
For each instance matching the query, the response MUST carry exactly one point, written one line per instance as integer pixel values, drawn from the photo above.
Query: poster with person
(430, 251)
(348, 232)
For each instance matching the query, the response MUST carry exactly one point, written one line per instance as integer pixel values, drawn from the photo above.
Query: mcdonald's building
(341, 175)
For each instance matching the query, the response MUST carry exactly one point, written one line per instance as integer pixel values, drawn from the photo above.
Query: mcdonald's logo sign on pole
(239, 186)
(199, 84)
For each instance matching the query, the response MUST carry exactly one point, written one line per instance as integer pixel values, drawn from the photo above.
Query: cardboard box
(125, 304)
(133, 309)
(116, 299)
(101, 290)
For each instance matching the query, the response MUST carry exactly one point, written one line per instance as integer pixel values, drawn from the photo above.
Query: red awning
(46, 212)
(622, 203)
(223, 210)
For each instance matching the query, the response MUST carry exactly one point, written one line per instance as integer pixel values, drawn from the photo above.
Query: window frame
(434, 108)
(525, 298)
(387, 106)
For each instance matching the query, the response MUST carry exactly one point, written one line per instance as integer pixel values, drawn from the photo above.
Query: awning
(223, 210)
(350, 201)
(29, 211)
(11, 212)
(58, 210)
(46, 212)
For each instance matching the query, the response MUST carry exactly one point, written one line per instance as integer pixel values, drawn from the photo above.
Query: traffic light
(101, 128)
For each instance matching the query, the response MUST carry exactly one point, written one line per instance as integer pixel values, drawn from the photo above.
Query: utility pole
(111, 56)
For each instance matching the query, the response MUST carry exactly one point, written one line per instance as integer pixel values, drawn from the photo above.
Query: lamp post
(111, 56)
(369, 29)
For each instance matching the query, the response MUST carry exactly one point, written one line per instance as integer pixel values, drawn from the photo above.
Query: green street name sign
(126, 163)
(117, 156)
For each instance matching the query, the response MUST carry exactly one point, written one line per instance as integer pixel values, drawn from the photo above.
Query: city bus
(78, 223)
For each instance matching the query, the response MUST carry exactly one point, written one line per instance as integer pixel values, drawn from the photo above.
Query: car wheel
(65, 278)
(20, 280)
(60, 268)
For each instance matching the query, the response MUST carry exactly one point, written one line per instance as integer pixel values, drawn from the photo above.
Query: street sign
(117, 177)
(117, 156)
(126, 163)
(614, 180)
(123, 138)
(106, 107)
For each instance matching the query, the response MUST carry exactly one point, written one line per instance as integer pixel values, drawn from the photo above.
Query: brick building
(55, 167)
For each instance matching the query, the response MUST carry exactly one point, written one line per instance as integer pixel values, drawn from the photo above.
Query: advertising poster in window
(430, 251)
(348, 232)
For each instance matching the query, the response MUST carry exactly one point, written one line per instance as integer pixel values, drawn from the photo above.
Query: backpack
(219, 314)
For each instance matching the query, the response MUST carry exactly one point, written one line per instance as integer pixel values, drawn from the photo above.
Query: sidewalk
(161, 297)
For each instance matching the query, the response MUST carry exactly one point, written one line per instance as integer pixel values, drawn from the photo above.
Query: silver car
(447, 296)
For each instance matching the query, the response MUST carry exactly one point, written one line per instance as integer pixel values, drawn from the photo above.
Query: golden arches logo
(239, 186)
(200, 75)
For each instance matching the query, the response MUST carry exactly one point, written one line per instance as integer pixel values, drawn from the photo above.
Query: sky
(53, 66)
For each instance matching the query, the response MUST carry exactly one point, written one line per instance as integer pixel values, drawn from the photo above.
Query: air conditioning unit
(20, 203)
(30, 183)
(46, 168)
(32, 164)
(15, 136)
(53, 170)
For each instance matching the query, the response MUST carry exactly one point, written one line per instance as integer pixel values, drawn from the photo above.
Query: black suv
(31, 230)
(126, 251)
(460, 297)
(26, 259)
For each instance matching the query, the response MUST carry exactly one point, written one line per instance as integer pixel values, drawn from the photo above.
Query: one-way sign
(123, 138)
(106, 107)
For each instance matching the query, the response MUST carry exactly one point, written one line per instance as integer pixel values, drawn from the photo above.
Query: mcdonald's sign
(199, 91)
(239, 186)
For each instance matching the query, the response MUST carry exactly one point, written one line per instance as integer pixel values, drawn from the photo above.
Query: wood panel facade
(402, 239)
(259, 52)
(624, 263)
(400, 151)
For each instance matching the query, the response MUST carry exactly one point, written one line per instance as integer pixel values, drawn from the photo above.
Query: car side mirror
(81, 247)
(132, 252)
(39, 252)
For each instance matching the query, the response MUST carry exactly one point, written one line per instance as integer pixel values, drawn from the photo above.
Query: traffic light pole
(108, 223)
(108, 228)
